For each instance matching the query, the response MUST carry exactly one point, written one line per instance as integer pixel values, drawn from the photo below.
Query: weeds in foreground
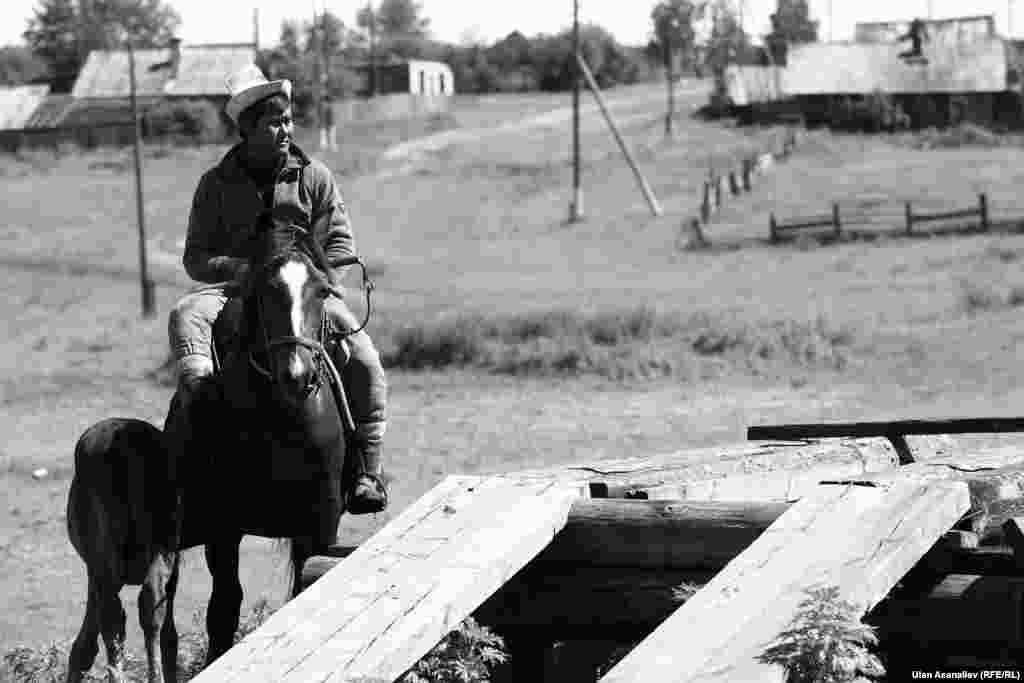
(826, 643)
(976, 298)
(466, 655)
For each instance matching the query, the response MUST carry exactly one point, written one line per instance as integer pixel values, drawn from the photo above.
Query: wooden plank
(400, 592)
(944, 215)
(813, 223)
(977, 425)
(861, 539)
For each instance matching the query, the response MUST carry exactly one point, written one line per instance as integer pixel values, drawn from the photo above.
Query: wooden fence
(911, 217)
(595, 551)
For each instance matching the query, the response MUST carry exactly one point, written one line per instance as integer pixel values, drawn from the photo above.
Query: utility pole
(576, 207)
(317, 114)
(1009, 18)
(373, 49)
(148, 298)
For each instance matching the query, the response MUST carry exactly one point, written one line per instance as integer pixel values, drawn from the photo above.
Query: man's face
(271, 135)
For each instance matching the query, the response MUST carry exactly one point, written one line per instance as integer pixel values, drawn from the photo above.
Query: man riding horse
(263, 180)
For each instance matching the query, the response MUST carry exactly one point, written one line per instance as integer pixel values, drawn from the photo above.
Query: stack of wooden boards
(596, 551)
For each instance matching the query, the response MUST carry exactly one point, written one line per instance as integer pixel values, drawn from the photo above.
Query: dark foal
(121, 520)
(271, 438)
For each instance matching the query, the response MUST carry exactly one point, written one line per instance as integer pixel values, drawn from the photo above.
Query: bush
(615, 344)
(188, 121)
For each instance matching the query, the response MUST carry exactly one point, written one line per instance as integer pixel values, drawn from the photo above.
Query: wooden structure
(776, 229)
(981, 212)
(835, 222)
(595, 550)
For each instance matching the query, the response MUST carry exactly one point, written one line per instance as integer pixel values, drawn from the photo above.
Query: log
(974, 425)
(658, 534)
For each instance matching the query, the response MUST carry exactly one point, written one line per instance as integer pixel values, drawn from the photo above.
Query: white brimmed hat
(248, 86)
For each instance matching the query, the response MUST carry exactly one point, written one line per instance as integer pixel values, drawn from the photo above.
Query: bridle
(324, 365)
(320, 355)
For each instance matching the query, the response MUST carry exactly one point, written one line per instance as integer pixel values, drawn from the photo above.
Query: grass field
(598, 339)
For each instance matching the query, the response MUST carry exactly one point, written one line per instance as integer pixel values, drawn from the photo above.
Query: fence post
(835, 218)
(910, 219)
(773, 228)
(705, 204)
(747, 166)
(983, 210)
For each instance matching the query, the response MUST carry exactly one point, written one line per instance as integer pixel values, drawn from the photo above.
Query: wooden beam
(860, 539)
(978, 425)
(700, 473)
(393, 599)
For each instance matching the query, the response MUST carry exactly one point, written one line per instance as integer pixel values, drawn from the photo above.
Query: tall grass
(616, 344)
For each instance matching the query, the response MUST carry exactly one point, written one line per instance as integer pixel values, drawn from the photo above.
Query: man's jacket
(227, 209)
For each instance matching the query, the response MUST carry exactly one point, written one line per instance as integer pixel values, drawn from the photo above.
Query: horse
(121, 521)
(264, 444)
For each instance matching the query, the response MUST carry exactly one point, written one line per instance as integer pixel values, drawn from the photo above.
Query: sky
(223, 21)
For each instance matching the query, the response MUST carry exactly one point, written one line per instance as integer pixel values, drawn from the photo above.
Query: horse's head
(284, 302)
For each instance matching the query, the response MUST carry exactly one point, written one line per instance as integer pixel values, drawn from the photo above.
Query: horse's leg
(86, 646)
(153, 612)
(112, 623)
(222, 613)
(302, 550)
(169, 633)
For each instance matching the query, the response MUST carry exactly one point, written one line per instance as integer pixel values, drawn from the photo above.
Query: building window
(423, 81)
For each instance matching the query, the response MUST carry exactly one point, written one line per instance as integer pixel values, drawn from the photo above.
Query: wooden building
(967, 73)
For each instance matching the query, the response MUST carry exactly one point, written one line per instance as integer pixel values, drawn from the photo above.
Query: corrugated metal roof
(105, 73)
(852, 68)
(953, 31)
(202, 70)
(17, 104)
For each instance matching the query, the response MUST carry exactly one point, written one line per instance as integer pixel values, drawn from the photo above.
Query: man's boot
(369, 492)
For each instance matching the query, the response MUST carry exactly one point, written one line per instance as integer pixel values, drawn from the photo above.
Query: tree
(400, 27)
(791, 24)
(64, 35)
(673, 37)
(402, 18)
(19, 66)
(728, 42)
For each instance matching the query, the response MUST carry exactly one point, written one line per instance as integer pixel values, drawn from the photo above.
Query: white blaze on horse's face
(295, 275)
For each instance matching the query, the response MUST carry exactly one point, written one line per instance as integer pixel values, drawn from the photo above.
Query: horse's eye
(323, 292)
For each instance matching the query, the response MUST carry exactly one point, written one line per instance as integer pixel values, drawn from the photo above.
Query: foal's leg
(154, 611)
(169, 633)
(226, 599)
(83, 652)
(301, 550)
(112, 626)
